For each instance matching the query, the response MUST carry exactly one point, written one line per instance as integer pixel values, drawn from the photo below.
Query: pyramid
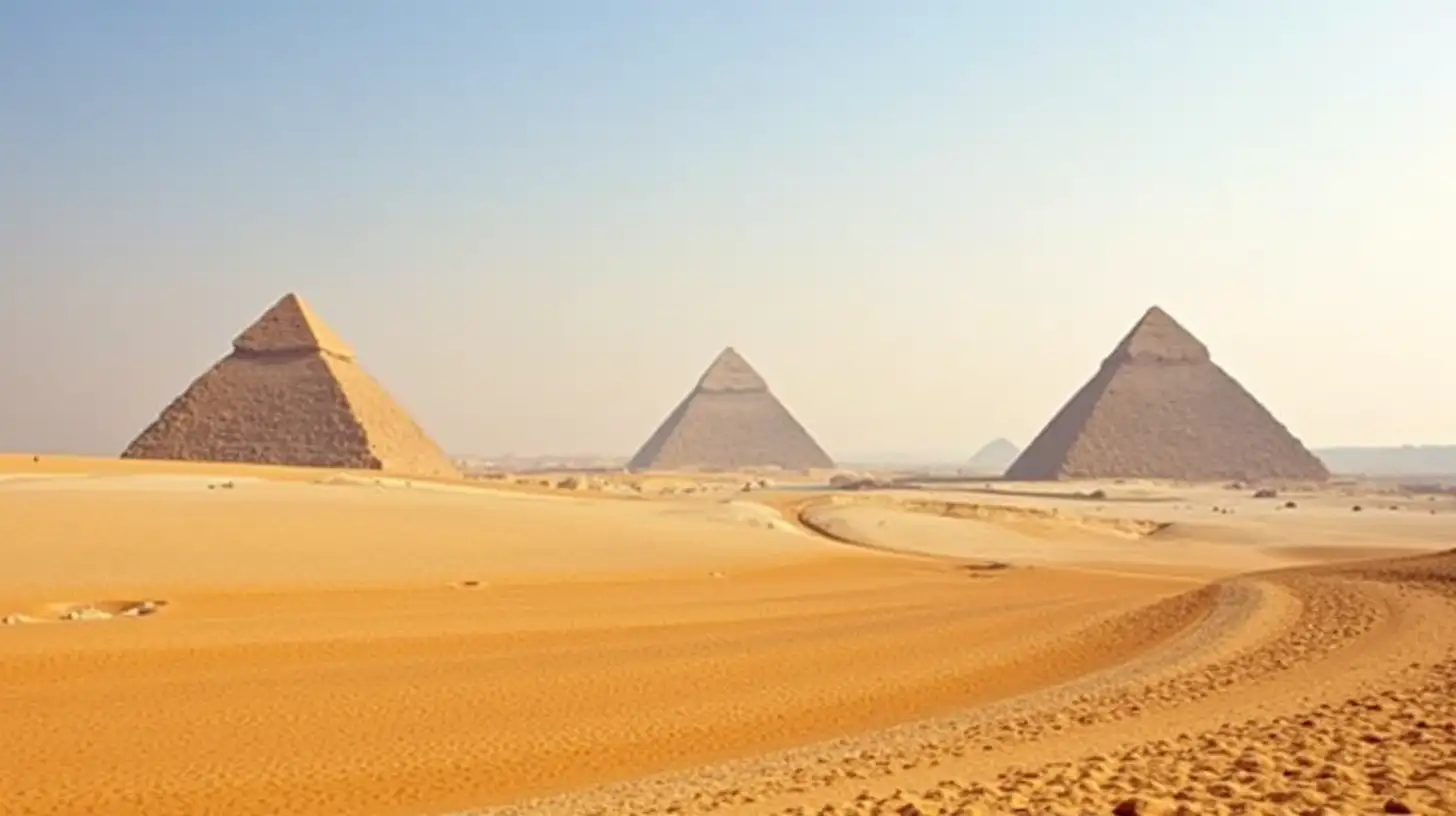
(730, 421)
(1160, 408)
(290, 393)
(994, 457)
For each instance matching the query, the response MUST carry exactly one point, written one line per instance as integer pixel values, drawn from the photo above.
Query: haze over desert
(644, 408)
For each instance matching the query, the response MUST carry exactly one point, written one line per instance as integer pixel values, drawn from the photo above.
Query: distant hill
(1406, 460)
(994, 457)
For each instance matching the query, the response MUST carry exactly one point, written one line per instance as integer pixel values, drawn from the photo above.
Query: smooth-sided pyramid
(730, 421)
(290, 393)
(994, 457)
(1159, 408)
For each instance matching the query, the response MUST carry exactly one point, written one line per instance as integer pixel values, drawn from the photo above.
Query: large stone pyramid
(730, 421)
(290, 393)
(1160, 408)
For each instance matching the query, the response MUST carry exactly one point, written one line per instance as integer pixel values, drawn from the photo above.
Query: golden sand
(344, 643)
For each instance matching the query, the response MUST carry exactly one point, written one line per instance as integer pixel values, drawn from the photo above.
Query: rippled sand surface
(269, 641)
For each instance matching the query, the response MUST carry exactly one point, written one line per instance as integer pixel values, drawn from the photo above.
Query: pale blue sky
(925, 223)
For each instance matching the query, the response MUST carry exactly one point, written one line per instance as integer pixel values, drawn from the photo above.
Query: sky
(924, 223)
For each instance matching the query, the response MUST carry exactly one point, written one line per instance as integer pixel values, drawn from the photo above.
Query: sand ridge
(1202, 530)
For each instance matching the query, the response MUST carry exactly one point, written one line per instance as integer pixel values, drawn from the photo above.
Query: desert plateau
(202, 638)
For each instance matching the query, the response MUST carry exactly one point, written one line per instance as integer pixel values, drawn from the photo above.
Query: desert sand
(188, 638)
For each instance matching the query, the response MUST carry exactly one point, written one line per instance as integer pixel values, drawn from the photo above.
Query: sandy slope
(320, 650)
(338, 643)
(1340, 704)
(1308, 690)
(184, 533)
(1245, 535)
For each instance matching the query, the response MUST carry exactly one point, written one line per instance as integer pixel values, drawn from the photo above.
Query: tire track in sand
(1272, 645)
(751, 781)
(1350, 714)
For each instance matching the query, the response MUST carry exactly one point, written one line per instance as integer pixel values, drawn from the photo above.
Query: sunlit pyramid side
(290, 393)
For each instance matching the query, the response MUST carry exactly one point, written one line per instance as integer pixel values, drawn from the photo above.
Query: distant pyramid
(290, 393)
(1160, 408)
(730, 421)
(994, 457)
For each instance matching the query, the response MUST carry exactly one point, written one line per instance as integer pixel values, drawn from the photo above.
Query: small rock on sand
(142, 609)
(85, 613)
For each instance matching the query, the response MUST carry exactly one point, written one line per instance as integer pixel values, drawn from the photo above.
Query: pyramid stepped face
(1160, 408)
(290, 393)
(730, 421)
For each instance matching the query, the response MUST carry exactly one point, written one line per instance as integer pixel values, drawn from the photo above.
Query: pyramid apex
(730, 372)
(1157, 337)
(290, 325)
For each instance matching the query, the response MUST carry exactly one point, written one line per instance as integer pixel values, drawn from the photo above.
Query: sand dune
(342, 642)
(173, 535)
(1224, 718)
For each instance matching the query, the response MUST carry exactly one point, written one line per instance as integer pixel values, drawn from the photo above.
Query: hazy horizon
(924, 223)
